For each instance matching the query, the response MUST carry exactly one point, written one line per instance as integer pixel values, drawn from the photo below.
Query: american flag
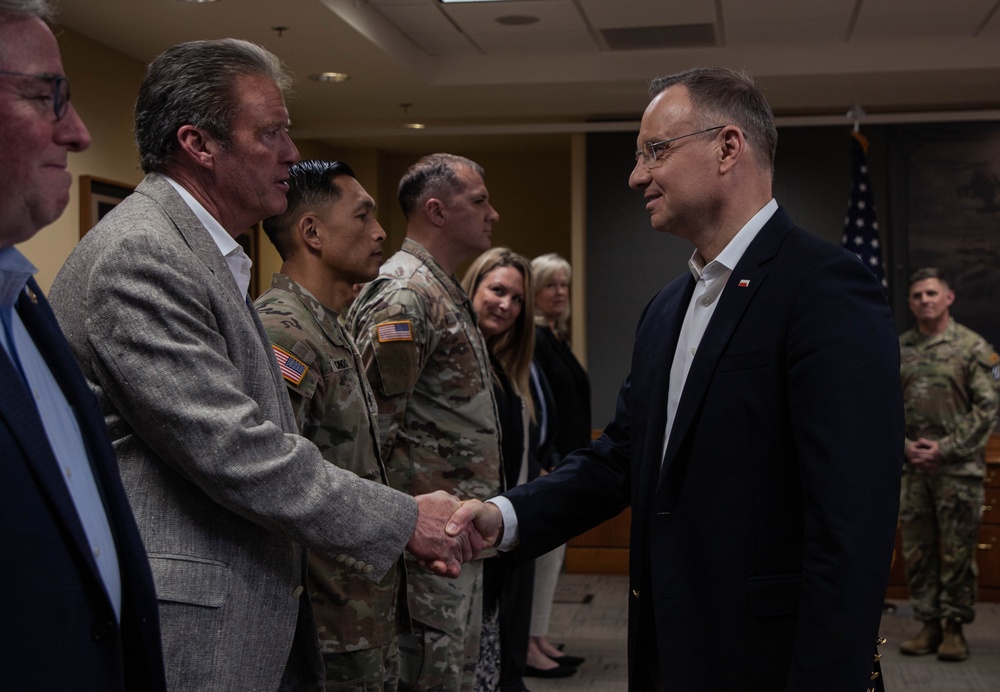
(861, 226)
(292, 369)
(394, 331)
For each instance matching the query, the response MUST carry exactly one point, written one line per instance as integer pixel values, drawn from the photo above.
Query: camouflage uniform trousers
(939, 517)
(367, 670)
(441, 651)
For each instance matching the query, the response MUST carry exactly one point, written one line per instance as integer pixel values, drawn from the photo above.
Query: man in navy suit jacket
(76, 593)
(758, 438)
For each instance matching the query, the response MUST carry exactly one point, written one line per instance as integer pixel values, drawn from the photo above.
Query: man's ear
(198, 145)
(732, 149)
(308, 230)
(436, 211)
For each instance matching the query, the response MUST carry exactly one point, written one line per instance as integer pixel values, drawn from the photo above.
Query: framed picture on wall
(98, 196)
(949, 176)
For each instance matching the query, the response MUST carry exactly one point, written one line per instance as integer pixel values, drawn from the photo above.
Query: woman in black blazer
(570, 388)
(499, 284)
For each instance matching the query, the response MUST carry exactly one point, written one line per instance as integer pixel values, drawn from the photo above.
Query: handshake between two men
(449, 532)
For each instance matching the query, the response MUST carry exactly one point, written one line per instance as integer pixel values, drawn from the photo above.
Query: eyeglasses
(650, 152)
(60, 90)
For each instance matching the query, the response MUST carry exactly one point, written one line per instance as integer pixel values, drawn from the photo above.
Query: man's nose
(639, 177)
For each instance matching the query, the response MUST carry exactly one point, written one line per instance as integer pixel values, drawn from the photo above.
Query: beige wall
(531, 190)
(104, 84)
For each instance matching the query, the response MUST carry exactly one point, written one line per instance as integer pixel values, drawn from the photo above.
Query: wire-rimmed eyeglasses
(60, 89)
(650, 152)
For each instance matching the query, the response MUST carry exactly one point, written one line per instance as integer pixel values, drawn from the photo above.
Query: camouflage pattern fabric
(440, 653)
(429, 367)
(949, 395)
(356, 618)
(367, 670)
(939, 516)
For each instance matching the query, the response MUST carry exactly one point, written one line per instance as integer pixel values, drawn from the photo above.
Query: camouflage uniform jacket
(428, 364)
(949, 395)
(334, 408)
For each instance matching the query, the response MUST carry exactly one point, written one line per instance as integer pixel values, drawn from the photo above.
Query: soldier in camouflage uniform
(947, 374)
(329, 239)
(429, 367)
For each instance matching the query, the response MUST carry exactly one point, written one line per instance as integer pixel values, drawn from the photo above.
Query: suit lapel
(728, 314)
(664, 323)
(25, 423)
(194, 233)
(197, 237)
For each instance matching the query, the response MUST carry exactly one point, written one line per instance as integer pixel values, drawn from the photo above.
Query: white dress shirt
(711, 278)
(237, 260)
(59, 422)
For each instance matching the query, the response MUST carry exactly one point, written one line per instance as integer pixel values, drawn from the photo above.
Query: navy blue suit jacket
(58, 628)
(760, 552)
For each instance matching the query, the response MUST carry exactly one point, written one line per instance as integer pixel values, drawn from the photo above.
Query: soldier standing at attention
(429, 367)
(329, 240)
(948, 375)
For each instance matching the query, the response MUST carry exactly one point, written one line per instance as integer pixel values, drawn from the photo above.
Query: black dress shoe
(557, 672)
(571, 661)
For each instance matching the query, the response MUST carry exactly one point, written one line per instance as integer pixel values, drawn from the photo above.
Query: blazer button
(297, 591)
(359, 565)
(350, 561)
(103, 631)
(341, 558)
(369, 569)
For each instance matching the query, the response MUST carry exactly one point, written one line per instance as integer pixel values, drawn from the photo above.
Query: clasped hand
(450, 532)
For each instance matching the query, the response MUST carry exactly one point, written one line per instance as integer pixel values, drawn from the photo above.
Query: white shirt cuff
(511, 537)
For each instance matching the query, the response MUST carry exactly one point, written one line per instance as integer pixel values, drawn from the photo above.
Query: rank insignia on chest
(292, 369)
(394, 331)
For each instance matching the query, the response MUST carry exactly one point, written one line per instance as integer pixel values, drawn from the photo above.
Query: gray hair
(25, 9)
(432, 176)
(21, 10)
(544, 267)
(929, 273)
(720, 94)
(195, 83)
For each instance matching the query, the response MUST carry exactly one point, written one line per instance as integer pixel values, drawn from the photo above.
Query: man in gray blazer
(154, 303)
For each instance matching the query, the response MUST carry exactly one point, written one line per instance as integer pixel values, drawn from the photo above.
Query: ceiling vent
(657, 37)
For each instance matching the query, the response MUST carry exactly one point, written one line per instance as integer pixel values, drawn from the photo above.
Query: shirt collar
(733, 252)
(15, 270)
(225, 241)
(236, 258)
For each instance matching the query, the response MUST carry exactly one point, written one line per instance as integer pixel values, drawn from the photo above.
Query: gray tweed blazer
(224, 493)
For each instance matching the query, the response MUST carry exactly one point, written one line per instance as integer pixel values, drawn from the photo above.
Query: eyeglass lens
(60, 96)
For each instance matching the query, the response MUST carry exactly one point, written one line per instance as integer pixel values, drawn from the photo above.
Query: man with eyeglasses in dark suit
(76, 593)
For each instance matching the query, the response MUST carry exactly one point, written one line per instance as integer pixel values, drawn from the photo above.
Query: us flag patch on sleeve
(394, 331)
(292, 369)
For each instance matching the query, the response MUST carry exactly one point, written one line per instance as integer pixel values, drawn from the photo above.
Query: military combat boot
(926, 642)
(953, 646)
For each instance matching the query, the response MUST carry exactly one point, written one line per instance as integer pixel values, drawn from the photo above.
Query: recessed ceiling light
(330, 77)
(517, 19)
(198, 1)
(458, 2)
(414, 126)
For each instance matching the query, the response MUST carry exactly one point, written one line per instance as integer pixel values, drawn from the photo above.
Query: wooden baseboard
(596, 560)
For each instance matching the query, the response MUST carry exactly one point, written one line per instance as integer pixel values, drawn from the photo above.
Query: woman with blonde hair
(499, 283)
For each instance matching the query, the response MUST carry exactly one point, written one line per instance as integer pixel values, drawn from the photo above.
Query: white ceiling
(583, 61)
